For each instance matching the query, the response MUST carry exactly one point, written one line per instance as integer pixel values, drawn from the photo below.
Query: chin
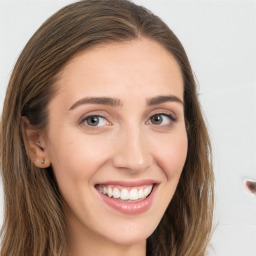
(131, 232)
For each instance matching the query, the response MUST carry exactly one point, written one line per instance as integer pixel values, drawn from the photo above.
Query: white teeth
(141, 193)
(109, 191)
(124, 194)
(147, 191)
(116, 193)
(134, 194)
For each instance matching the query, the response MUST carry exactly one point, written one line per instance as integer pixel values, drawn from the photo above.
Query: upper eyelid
(163, 112)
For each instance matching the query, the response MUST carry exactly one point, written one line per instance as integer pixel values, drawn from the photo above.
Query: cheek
(171, 159)
(172, 153)
(75, 157)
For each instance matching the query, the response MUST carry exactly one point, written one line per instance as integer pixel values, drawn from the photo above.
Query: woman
(104, 150)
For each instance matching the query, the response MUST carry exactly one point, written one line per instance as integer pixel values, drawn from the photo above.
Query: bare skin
(138, 136)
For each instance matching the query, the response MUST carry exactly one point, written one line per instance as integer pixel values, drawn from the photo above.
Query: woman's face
(117, 140)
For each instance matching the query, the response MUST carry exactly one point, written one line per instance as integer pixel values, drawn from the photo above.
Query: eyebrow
(114, 102)
(162, 99)
(98, 100)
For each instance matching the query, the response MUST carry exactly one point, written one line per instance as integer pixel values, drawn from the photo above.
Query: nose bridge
(132, 151)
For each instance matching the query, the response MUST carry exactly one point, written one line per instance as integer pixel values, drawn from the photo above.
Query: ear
(35, 144)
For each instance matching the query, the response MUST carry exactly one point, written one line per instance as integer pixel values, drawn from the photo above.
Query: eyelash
(170, 116)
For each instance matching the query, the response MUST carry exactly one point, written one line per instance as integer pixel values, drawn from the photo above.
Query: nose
(132, 152)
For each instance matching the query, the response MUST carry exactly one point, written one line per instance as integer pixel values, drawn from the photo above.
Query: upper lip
(136, 183)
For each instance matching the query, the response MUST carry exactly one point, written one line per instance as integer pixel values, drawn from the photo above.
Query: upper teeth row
(125, 194)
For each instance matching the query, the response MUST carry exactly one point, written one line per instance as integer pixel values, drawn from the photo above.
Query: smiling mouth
(126, 194)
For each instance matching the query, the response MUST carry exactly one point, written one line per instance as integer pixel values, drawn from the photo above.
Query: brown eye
(156, 119)
(162, 119)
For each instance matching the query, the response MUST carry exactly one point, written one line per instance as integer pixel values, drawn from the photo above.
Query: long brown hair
(34, 222)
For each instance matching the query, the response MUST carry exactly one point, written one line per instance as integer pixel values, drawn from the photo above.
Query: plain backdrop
(220, 40)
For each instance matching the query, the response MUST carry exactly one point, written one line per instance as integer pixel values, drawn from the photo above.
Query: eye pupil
(93, 120)
(157, 119)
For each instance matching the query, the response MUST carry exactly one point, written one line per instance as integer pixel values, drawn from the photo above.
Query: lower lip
(129, 207)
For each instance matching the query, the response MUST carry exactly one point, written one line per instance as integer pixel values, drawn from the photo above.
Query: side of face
(117, 123)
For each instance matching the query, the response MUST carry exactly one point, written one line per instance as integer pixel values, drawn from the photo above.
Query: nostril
(251, 185)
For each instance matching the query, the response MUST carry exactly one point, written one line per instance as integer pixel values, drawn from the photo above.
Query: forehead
(135, 68)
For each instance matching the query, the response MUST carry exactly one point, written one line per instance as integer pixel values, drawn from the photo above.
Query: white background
(220, 40)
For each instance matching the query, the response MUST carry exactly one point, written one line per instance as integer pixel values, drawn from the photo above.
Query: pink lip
(129, 207)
